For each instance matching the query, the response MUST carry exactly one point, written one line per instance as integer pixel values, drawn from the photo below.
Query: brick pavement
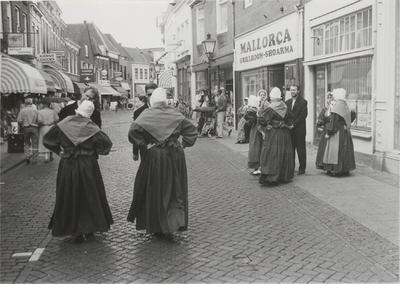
(239, 231)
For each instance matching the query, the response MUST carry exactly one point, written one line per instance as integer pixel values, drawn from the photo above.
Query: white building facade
(352, 45)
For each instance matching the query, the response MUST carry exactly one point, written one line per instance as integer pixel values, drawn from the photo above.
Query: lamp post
(209, 45)
(157, 69)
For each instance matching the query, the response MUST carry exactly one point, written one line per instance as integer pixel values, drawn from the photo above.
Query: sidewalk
(368, 196)
(9, 161)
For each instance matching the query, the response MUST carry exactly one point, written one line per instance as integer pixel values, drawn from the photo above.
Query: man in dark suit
(298, 105)
(90, 93)
(149, 88)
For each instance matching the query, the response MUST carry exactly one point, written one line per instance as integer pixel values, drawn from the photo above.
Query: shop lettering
(267, 53)
(267, 41)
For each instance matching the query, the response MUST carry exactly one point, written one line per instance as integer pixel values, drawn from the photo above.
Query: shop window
(354, 75)
(351, 32)
(252, 82)
(200, 80)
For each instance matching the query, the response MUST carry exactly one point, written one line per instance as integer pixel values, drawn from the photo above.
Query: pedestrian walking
(255, 138)
(339, 151)
(90, 93)
(81, 206)
(28, 121)
(222, 105)
(160, 197)
(276, 161)
(323, 120)
(47, 117)
(243, 130)
(298, 106)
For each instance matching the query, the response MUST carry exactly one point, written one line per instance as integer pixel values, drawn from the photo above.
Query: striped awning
(17, 77)
(62, 80)
(105, 91)
(51, 86)
(121, 90)
(165, 79)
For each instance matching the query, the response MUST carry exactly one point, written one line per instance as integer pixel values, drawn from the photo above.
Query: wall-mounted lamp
(283, 8)
(157, 69)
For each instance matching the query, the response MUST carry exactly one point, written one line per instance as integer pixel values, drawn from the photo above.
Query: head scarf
(246, 98)
(275, 94)
(339, 94)
(159, 95)
(85, 109)
(262, 91)
(254, 101)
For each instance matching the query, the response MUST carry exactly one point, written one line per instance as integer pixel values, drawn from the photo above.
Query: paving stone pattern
(239, 231)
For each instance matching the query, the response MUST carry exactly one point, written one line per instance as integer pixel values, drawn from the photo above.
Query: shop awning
(122, 91)
(114, 92)
(51, 86)
(125, 86)
(165, 79)
(80, 86)
(105, 91)
(17, 77)
(62, 80)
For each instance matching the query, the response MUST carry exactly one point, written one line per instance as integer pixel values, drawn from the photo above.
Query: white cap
(275, 93)
(254, 101)
(339, 94)
(85, 109)
(158, 95)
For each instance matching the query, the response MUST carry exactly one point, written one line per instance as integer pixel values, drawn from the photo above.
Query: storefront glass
(253, 81)
(354, 75)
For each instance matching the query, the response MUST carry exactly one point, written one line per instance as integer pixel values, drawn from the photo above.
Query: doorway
(276, 77)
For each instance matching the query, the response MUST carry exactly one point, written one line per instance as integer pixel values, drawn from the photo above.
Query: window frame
(200, 37)
(221, 29)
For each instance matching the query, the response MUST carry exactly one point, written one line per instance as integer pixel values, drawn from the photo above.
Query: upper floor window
(247, 3)
(8, 24)
(222, 16)
(18, 20)
(145, 74)
(86, 50)
(25, 27)
(201, 33)
(141, 73)
(350, 32)
(136, 73)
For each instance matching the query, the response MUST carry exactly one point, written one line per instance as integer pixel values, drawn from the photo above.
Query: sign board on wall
(20, 50)
(16, 40)
(58, 52)
(272, 44)
(47, 57)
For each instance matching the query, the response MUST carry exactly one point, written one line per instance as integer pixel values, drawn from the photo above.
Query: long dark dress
(255, 139)
(81, 205)
(160, 198)
(345, 154)
(277, 155)
(322, 121)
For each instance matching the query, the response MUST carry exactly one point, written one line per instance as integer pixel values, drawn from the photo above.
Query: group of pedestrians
(278, 130)
(160, 194)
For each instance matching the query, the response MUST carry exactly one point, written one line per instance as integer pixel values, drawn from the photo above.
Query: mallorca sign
(276, 43)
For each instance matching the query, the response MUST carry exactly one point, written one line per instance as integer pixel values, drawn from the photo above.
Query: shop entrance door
(320, 91)
(276, 77)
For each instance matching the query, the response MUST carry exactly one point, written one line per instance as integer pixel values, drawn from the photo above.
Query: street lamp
(157, 69)
(209, 45)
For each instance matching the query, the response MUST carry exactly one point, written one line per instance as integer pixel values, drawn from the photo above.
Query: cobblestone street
(239, 231)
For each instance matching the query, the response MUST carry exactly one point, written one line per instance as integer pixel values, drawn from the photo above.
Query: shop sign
(117, 74)
(272, 44)
(104, 83)
(15, 40)
(87, 72)
(20, 50)
(47, 58)
(58, 52)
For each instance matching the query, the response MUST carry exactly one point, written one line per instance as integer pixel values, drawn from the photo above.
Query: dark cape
(81, 205)
(160, 197)
(339, 151)
(322, 121)
(255, 138)
(276, 160)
